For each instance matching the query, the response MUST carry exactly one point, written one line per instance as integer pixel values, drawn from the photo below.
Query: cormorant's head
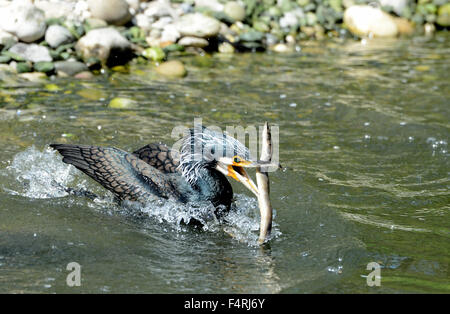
(204, 148)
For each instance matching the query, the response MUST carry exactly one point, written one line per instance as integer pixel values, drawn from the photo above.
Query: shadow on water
(363, 136)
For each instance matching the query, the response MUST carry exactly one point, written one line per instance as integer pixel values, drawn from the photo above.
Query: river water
(363, 129)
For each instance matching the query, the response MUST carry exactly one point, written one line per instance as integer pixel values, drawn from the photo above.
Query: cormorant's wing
(159, 156)
(124, 174)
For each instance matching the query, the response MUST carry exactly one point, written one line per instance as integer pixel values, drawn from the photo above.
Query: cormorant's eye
(236, 159)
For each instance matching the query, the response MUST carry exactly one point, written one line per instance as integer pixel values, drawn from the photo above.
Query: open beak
(237, 172)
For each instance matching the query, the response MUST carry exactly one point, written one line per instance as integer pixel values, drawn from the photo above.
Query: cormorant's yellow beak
(234, 167)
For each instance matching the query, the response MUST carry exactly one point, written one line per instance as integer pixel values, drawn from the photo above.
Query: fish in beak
(234, 167)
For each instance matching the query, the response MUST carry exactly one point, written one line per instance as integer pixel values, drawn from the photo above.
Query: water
(364, 131)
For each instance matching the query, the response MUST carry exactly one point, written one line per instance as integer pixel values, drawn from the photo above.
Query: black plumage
(155, 171)
(159, 156)
(125, 175)
(146, 175)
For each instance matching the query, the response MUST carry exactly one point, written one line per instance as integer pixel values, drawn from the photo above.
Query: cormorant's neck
(212, 185)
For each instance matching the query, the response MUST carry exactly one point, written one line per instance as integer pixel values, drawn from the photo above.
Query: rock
(308, 30)
(311, 19)
(443, 18)
(111, 11)
(33, 76)
(14, 56)
(85, 75)
(198, 25)
(429, 29)
(289, 19)
(170, 34)
(52, 11)
(226, 48)
(22, 19)
(31, 52)
(173, 48)
(274, 11)
(93, 23)
(213, 5)
(172, 68)
(234, 10)
(23, 67)
(261, 26)
(347, 3)
(162, 22)
(80, 11)
(185, 7)
(290, 39)
(52, 87)
(57, 35)
(159, 9)
(251, 36)
(152, 41)
(397, 5)
(143, 21)
(105, 44)
(133, 4)
(364, 20)
(404, 26)
(7, 39)
(5, 59)
(121, 103)
(44, 66)
(319, 31)
(154, 53)
(282, 48)
(190, 41)
(271, 39)
(70, 67)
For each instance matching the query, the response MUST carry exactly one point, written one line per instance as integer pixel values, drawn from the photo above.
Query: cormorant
(196, 173)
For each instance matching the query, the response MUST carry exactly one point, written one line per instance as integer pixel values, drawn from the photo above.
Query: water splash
(39, 174)
(241, 223)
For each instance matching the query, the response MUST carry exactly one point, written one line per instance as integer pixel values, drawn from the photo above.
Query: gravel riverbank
(80, 38)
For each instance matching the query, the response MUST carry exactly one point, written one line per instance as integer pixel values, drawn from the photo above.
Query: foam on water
(241, 223)
(39, 174)
(42, 174)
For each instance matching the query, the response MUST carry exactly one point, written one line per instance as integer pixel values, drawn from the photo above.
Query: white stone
(31, 52)
(70, 67)
(213, 5)
(143, 21)
(289, 19)
(162, 22)
(100, 41)
(133, 4)
(282, 48)
(80, 11)
(55, 10)
(33, 76)
(57, 35)
(7, 38)
(22, 19)
(198, 25)
(234, 10)
(158, 9)
(170, 33)
(397, 5)
(112, 11)
(364, 20)
(190, 41)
